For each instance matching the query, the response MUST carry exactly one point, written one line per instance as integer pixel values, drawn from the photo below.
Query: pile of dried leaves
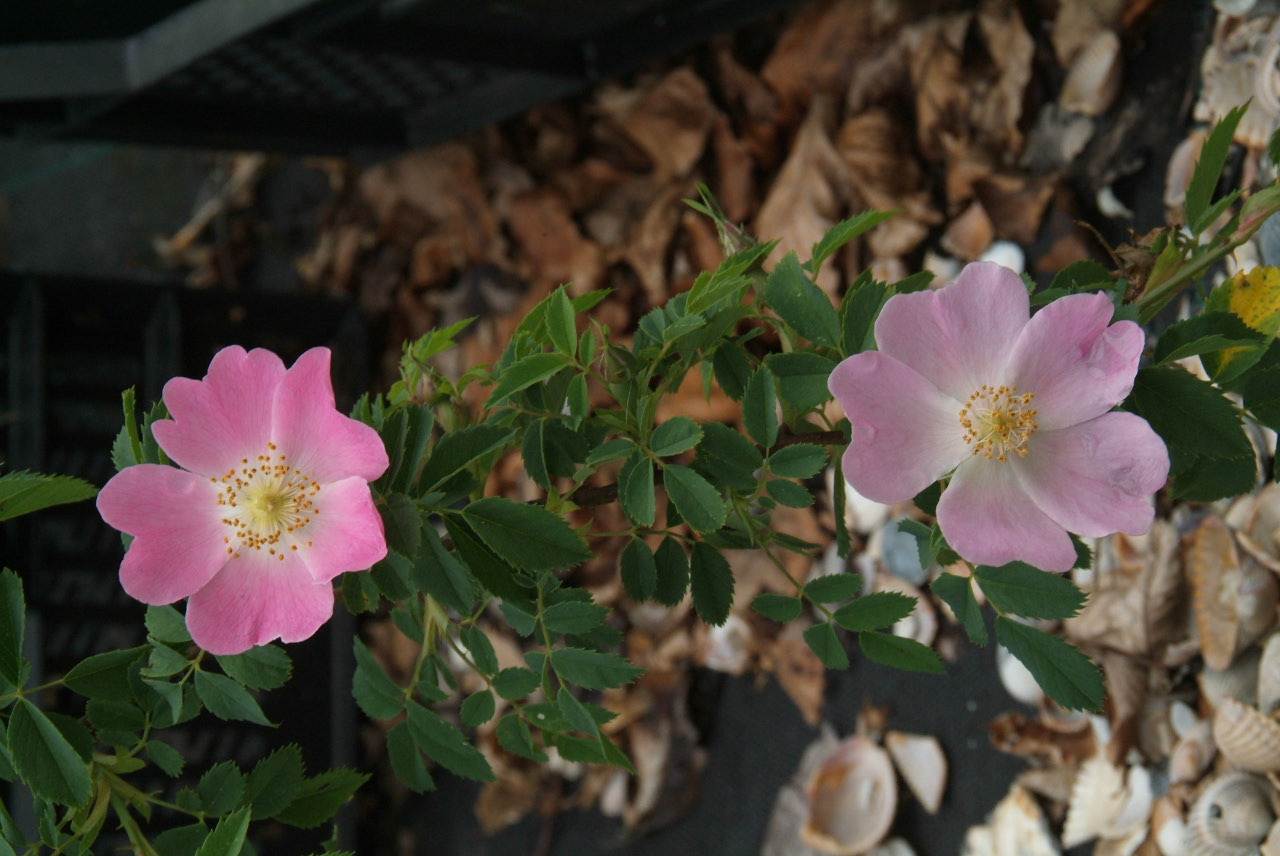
(991, 134)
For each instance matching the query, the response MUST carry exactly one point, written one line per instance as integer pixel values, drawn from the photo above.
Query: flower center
(997, 421)
(268, 504)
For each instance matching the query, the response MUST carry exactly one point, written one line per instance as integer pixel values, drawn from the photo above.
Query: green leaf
(442, 741)
(515, 683)
(789, 494)
(406, 760)
(833, 588)
(1067, 676)
(493, 572)
(927, 501)
(23, 492)
(728, 458)
(676, 435)
(1213, 155)
(264, 667)
(221, 788)
(957, 592)
(576, 713)
(777, 607)
(274, 781)
(1260, 388)
(486, 659)
(790, 293)
(165, 757)
(1210, 457)
(822, 640)
(797, 461)
(573, 617)
(875, 610)
(228, 836)
(376, 694)
(593, 670)
(130, 427)
(760, 408)
(639, 571)
(899, 652)
(612, 450)
(320, 797)
(477, 709)
(104, 676)
(402, 523)
(457, 449)
(1212, 332)
(522, 374)
(422, 422)
(1080, 276)
(1019, 589)
(164, 661)
(527, 536)
(514, 736)
(564, 338)
(697, 501)
(44, 759)
(802, 378)
(120, 716)
(13, 617)
(635, 489)
(167, 625)
(858, 312)
(712, 584)
(844, 232)
(534, 453)
(672, 573)
(441, 574)
(731, 368)
(228, 700)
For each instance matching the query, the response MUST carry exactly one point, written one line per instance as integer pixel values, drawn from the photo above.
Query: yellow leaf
(1254, 297)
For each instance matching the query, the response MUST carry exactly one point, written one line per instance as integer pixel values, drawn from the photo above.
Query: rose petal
(1076, 365)
(957, 338)
(345, 534)
(171, 513)
(226, 416)
(1096, 478)
(905, 433)
(988, 519)
(316, 438)
(257, 598)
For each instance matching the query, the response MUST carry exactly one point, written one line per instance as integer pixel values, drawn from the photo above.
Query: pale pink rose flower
(272, 502)
(966, 380)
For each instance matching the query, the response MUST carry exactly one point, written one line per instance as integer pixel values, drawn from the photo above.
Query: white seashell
(893, 847)
(1110, 205)
(1017, 680)
(1269, 675)
(920, 760)
(1247, 738)
(728, 647)
(1271, 845)
(1238, 681)
(1017, 828)
(1238, 8)
(852, 798)
(1192, 754)
(1172, 839)
(1231, 817)
(1007, 254)
(1095, 796)
(1182, 717)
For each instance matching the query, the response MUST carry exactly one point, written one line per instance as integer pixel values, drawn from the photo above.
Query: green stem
(1155, 298)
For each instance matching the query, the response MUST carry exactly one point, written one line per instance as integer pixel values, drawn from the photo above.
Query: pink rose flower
(272, 502)
(1015, 407)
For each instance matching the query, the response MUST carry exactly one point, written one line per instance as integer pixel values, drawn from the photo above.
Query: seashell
(1238, 681)
(1234, 602)
(900, 554)
(1017, 680)
(1168, 830)
(727, 648)
(893, 847)
(923, 767)
(1192, 754)
(1271, 844)
(1093, 81)
(1234, 70)
(1017, 828)
(1106, 804)
(1262, 527)
(1269, 675)
(1182, 165)
(1247, 738)
(852, 798)
(1238, 8)
(969, 235)
(1006, 254)
(1231, 817)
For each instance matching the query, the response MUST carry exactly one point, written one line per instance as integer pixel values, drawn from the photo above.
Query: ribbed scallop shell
(1231, 817)
(1269, 675)
(1247, 738)
(852, 798)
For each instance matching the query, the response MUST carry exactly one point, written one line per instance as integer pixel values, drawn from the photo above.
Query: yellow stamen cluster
(997, 421)
(268, 503)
